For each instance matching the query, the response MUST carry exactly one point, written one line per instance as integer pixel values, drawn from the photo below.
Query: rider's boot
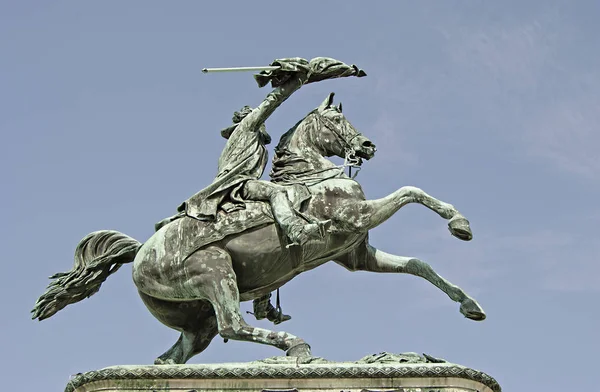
(263, 308)
(297, 229)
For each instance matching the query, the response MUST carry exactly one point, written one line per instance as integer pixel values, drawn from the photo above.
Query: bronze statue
(193, 272)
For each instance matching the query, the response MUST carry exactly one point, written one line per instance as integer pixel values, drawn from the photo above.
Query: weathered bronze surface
(240, 238)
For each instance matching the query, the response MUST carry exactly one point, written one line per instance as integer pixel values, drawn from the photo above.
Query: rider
(243, 161)
(241, 164)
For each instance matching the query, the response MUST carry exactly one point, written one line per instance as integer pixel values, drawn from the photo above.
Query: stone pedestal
(377, 373)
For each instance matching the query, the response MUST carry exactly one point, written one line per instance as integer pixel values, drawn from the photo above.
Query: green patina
(241, 238)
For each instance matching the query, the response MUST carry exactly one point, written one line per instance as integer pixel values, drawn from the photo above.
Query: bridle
(350, 158)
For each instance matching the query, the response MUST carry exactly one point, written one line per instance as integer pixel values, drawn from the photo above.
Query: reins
(349, 162)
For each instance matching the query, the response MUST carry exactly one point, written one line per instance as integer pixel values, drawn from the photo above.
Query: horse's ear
(327, 102)
(340, 107)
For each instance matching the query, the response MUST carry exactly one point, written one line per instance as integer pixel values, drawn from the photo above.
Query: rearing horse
(198, 291)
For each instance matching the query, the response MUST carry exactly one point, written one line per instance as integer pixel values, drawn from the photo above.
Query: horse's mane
(291, 166)
(285, 162)
(285, 139)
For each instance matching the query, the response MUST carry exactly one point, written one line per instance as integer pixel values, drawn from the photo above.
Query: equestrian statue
(241, 238)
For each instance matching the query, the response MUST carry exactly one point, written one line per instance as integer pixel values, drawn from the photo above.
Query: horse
(198, 291)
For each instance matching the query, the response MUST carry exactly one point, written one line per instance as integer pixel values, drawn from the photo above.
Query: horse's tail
(97, 256)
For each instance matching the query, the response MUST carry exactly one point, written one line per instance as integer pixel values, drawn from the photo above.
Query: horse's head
(337, 136)
(324, 132)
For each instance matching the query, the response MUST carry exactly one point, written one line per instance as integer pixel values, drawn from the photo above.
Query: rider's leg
(296, 228)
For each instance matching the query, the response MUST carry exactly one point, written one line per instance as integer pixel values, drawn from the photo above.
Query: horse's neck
(302, 159)
(306, 143)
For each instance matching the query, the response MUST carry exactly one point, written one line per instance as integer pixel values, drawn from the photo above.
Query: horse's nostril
(368, 143)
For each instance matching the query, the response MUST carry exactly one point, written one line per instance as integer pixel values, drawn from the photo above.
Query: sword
(240, 69)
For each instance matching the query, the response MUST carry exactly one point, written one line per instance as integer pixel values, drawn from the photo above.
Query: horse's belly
(260, 260)
(262, 263)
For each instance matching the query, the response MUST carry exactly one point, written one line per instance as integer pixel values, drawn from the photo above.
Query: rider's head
(237, 118)
(239, 115)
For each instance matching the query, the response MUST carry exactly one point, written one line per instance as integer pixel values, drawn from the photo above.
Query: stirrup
(278, 317)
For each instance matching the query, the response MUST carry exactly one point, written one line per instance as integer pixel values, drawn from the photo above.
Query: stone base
(376, 373)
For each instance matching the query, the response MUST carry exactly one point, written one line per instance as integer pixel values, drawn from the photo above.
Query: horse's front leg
(374, 260)
(369, 214)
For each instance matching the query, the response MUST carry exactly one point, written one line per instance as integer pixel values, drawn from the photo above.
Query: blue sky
(108, 123)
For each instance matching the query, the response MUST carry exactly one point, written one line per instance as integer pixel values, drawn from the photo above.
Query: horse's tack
(349, 162)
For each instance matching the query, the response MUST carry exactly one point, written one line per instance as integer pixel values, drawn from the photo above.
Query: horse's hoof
(459, 227)
(160, 361)
(471, 310)
(299, 350)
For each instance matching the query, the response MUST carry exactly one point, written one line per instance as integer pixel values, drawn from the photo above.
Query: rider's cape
(220, 210)
(243, 158)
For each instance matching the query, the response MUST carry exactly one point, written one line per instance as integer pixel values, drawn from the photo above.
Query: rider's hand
(293, 65)
(288, 68)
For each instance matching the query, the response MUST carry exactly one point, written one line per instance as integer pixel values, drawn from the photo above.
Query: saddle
(189, 234)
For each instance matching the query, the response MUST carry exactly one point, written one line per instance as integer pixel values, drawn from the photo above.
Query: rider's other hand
(288, 69)
(291, 66)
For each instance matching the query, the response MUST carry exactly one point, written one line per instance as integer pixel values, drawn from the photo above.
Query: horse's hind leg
(189, 344)
(194, 319)
(211, 275)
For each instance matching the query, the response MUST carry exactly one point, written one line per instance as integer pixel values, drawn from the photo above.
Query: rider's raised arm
(293, 73)
(275, 98)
